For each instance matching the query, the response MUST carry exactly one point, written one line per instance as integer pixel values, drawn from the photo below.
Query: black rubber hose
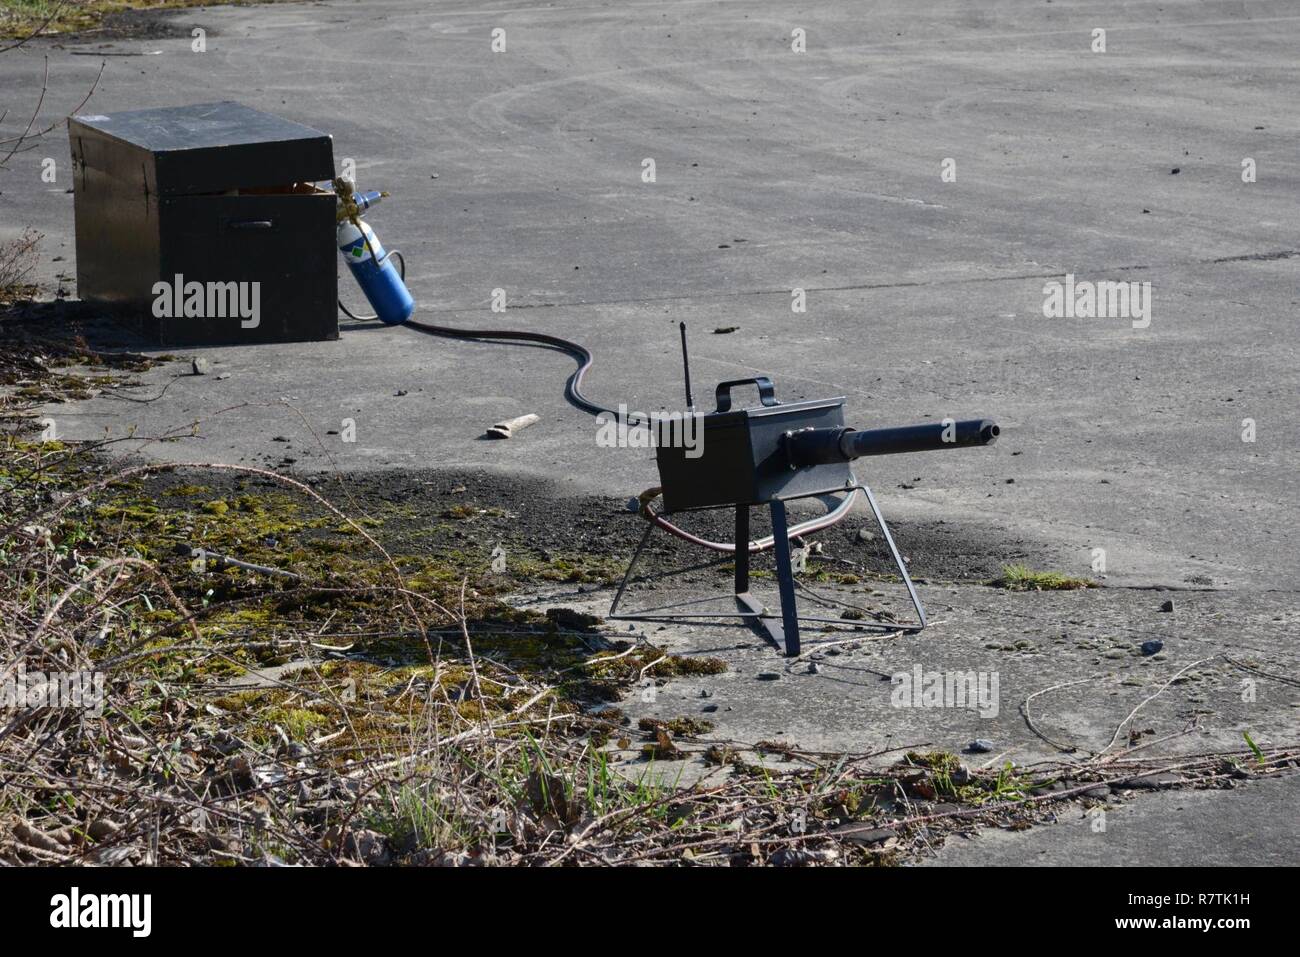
(573, 393)
(572, 388)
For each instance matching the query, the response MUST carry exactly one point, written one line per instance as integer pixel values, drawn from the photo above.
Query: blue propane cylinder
(374, 271)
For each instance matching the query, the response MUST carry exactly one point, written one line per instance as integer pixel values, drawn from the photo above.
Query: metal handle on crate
(766, 391)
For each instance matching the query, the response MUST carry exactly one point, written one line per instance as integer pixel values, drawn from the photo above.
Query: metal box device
(742, 460)
(770, 455)
(199, 198)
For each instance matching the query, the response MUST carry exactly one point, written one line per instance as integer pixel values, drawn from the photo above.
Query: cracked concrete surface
(820, 171)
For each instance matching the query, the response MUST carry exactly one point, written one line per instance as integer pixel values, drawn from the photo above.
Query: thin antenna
(686, 368)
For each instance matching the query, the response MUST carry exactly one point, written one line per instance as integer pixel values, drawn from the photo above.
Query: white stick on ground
(506, 429)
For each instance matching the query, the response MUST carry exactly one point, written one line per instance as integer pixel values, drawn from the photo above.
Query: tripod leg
(785, 579)
(898, 559)
(742, 549)
(751, 609)
(627, 576)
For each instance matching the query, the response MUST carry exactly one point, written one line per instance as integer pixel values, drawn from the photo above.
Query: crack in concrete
(899, 284)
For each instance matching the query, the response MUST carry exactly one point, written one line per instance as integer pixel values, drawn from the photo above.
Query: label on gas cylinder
(356, 250)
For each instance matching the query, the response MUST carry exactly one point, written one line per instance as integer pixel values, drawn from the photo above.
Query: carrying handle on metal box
(251, 224)
(766, 391)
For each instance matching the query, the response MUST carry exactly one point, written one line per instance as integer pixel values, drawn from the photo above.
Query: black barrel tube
(918, 438)
(806, 447)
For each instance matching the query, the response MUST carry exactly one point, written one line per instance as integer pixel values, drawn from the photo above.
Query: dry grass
(18, 259)
(19, 18)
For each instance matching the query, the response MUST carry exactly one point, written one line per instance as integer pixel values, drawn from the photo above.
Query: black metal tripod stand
(783, 629)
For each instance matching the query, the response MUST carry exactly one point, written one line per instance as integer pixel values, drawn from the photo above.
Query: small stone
(709, 708)
(400, 392)
(200, 365)
(866, 535)
(370, 846)
(224, 375)
(768, 676)
(1151, 647)
(706, 693)
(1167, 606)
(802, 856)
(980, 746)
(812, 668)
